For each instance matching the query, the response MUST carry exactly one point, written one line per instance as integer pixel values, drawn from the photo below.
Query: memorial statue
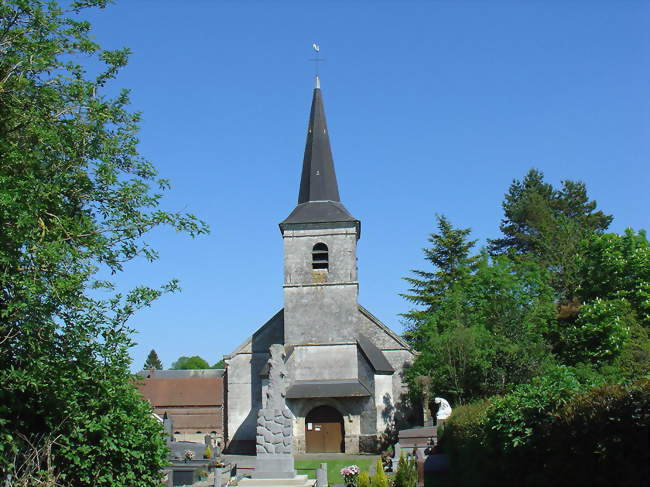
(274, 427)
(444, 410)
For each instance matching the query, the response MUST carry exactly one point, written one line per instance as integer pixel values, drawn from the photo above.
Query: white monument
(444, 411)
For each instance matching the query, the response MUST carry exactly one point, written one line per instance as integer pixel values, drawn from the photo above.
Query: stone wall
(324, 362)
(322, 309)
(244, 384)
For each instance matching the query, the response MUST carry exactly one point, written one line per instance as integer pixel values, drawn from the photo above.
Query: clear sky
(433, 107)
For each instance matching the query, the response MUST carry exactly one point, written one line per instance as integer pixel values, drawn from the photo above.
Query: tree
(618, 267)
(449, 255)
(75, 199)
(221, 364)
(608, 329)
(599, 333)
(487, 334)
(153, 362)
(549, 225)
(188, 363)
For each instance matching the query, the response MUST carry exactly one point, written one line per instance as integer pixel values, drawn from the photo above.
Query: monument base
(274, 466)
(298, 480)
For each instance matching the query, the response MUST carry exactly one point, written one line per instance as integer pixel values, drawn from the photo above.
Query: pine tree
(153, 362)
(449, 255)
(549, 226)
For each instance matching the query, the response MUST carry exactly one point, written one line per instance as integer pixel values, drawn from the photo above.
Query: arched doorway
(324, 430)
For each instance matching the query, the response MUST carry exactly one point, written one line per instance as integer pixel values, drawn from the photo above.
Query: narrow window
(319, 256)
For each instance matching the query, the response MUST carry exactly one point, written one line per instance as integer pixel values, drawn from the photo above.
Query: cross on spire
(317, 60)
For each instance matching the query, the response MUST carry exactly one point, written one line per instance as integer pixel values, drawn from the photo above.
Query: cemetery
(518, 351)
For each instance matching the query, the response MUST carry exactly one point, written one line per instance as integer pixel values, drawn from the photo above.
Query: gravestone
(425, 383)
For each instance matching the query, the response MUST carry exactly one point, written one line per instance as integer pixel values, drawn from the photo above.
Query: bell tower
(320, 242)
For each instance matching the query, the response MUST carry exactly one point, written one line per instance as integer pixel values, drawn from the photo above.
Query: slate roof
(327, 388)
(182, 392)
(318, 198)
(319, 212)
(377, 359)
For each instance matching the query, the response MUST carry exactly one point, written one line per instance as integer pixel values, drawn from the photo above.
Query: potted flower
(350, 474)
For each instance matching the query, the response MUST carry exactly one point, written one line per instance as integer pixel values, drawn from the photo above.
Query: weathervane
(317, 60)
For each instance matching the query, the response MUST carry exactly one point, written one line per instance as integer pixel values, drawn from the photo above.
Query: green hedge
(552, 432)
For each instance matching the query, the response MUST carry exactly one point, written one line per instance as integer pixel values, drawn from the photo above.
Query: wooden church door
(324, 431)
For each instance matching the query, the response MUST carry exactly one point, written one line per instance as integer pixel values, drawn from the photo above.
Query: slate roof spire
(318, 198)
(318, 182)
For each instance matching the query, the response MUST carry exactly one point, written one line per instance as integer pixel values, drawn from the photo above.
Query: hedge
(552, 433)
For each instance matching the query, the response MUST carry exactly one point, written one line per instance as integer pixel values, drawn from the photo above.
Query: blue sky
(433, 107)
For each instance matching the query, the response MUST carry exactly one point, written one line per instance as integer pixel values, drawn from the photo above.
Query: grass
(334, 466)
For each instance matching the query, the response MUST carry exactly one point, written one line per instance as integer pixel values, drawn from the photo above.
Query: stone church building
(345, 366)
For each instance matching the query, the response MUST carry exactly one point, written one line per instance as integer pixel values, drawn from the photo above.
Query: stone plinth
(275, 466)
(298, 480)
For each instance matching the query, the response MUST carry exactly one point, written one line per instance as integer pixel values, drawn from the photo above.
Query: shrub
(463, 440)
(511, 420)
(407, 472)
(364, 479)
(605, 431)
(379, 479)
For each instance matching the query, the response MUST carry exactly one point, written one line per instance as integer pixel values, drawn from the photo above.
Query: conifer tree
(153, 362)
(549, 226)
(450, 257)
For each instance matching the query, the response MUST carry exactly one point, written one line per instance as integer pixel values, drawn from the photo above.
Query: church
(344, 365)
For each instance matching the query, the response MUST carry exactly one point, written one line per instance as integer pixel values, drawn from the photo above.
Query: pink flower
(350, 473)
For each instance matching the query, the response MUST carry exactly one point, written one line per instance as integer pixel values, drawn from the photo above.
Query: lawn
(334, 466)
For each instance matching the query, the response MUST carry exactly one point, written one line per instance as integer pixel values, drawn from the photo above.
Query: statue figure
(444, 411)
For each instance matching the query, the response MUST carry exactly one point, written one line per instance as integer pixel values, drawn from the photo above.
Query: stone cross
(278, 380)
(274, 434)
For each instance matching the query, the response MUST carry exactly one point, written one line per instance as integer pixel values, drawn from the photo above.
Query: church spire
(318, 199)
(318, 182)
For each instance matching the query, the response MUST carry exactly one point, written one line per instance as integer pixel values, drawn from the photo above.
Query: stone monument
(274, 436)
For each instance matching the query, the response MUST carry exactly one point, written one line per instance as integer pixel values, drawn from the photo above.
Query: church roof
(318, 198)
(327, 388)
(377, 359)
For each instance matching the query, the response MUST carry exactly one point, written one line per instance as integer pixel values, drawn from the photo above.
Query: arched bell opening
(324, 431)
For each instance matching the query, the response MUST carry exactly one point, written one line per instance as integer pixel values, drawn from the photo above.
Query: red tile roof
(203, 422)
(183, 392)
